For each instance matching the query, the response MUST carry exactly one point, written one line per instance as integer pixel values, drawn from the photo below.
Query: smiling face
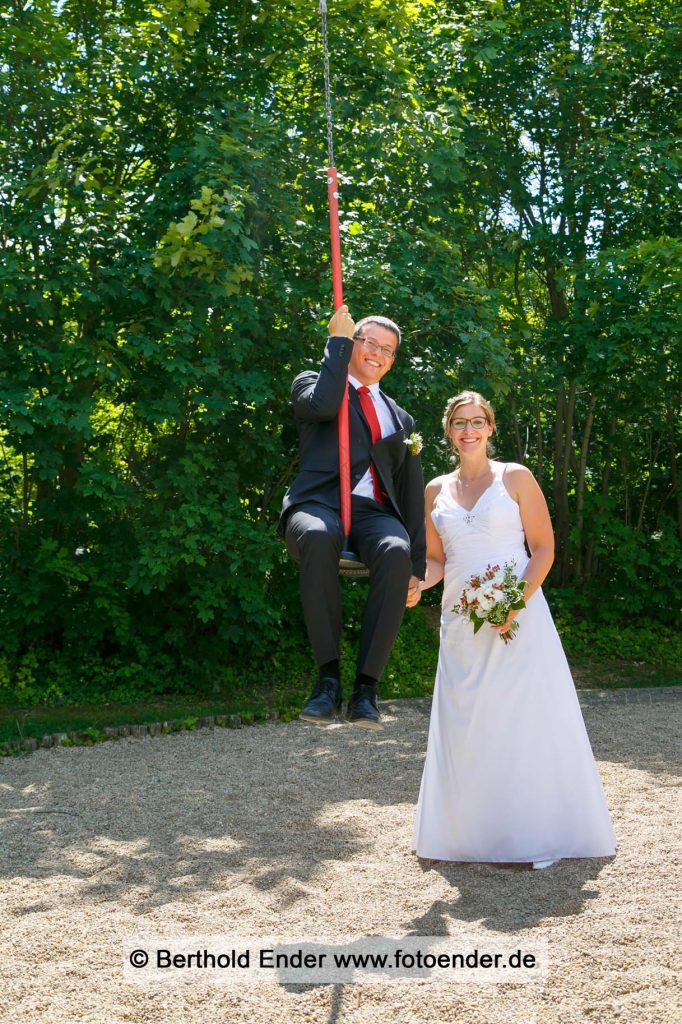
(470, 440)
(370, 364)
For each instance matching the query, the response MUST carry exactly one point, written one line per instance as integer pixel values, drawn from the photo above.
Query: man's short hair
(382, 321)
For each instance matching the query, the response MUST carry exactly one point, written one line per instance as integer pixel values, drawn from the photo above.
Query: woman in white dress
(509, 774)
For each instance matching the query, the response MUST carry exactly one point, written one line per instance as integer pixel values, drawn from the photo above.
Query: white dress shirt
(365, 486)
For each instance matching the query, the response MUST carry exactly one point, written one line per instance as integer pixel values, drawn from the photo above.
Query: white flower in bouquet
(484, 599)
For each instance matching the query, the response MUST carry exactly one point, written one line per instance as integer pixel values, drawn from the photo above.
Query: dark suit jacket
(316, 398)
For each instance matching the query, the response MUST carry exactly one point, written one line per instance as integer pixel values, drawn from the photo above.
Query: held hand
(414, 592)
(506, 624)
(341, 324)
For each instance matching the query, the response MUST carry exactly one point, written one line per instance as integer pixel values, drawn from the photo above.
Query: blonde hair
(466, 398)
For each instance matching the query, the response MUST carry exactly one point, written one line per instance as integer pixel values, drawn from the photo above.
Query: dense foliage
(510, 194)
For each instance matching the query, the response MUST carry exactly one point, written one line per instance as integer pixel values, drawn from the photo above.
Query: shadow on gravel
(507, 900)
(149, 822)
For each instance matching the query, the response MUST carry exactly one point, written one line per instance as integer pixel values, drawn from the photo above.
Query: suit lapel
(394, 410)
(354, 403)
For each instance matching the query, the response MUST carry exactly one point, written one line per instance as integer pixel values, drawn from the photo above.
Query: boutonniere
(415, 442)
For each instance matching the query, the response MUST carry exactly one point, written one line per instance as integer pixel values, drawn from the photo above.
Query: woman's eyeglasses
(477, 422)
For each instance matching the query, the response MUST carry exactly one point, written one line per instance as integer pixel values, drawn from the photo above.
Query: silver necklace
(468, 483)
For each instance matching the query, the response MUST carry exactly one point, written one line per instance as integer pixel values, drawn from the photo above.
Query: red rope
(337, 282)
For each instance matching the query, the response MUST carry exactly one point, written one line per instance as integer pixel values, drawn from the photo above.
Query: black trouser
(314, 537)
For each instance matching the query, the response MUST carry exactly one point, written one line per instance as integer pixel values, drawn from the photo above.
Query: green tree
(509, 194)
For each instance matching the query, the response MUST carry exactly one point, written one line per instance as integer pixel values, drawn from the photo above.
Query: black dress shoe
(324, 703)
(362, 707)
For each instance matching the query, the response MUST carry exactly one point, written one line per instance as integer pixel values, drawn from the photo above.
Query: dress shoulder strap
(499, 469)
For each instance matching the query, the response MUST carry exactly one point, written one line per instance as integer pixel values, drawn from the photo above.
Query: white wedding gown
(509, 773)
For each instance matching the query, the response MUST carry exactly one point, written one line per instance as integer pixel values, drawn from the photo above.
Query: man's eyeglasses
(477, 422)
(375, 348)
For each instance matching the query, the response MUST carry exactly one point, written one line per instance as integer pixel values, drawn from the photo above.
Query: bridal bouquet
(490, 596)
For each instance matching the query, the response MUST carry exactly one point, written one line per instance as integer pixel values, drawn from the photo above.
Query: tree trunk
(557, 296)
(540, 442)
(580, 490)
(674, 469)
(653, 456)
(626, 488)
(590, 558)
(563, 442)
(515, 426)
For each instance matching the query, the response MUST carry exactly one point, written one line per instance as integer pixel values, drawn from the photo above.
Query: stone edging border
(88, 737)
(634, 695)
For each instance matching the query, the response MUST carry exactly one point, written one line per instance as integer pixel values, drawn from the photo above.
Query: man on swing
(387, 501)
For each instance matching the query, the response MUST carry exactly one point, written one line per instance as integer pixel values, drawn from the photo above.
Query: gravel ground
(299, 831)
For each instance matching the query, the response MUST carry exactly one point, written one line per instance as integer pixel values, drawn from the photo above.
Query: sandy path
(305, 832)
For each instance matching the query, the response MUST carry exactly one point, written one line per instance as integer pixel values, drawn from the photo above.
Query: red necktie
(367, 403)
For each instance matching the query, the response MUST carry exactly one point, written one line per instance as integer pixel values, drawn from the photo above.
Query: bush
(645, 642)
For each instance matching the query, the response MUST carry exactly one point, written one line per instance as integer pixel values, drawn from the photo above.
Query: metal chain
(327, 84)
